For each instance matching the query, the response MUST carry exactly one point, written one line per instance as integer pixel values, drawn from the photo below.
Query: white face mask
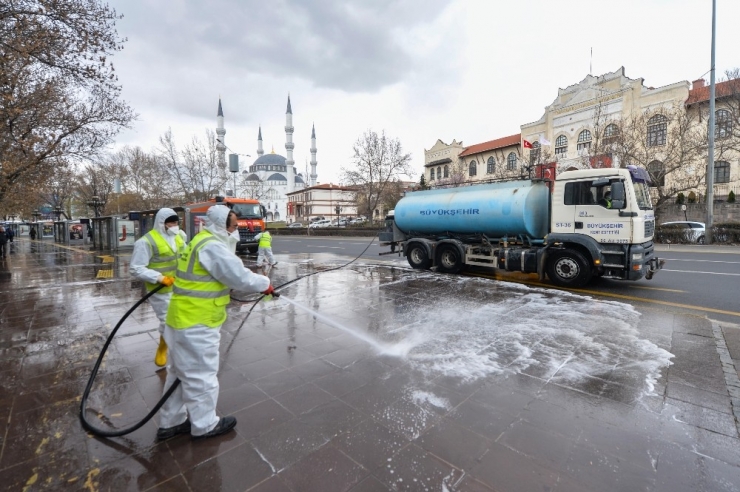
(234, 240)
(172, 231)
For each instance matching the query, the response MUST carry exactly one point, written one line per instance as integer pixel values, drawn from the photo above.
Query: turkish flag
(527, 145)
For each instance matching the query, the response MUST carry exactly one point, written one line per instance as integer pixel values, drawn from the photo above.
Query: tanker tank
(497, 210)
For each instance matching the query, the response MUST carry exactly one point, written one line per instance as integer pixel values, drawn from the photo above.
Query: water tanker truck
(586, 224)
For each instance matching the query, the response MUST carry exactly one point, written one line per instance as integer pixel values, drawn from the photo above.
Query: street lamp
(338, 210)
(95, 204)
(36, 215)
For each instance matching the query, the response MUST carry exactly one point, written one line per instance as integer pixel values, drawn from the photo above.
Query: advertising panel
(126, 234)
(75, 231)
(47, 229)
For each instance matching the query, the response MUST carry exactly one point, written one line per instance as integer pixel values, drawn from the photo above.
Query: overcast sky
(472, 70)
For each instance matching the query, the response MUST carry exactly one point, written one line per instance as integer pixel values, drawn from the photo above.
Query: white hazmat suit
(142, 256)
(194, 354)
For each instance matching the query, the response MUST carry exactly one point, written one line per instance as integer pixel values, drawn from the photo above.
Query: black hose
(83, 405)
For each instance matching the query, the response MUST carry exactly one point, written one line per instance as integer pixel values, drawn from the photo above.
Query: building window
(656, 170)
(439, 173)
(584, 140)
(721, 172)
(447, 172)
(657, 130)
(561, 145)
(491, 165)
(472, 169)
(722, 124)
(534, 153)
(611, 132)
(511, 162)
(431, 174)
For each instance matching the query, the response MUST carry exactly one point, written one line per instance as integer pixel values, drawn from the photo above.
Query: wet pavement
(370, 377)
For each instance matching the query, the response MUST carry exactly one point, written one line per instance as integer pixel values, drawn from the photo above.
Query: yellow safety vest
(198, 298)
(164, 260)
(265, 240)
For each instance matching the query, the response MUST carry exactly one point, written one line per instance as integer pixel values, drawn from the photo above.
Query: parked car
(358, 220)
(319, 224)
(295, 225)
(693, 231)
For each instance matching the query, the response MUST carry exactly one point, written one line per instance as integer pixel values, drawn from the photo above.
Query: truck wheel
(418, 257)
(568, 268)
(448, 259)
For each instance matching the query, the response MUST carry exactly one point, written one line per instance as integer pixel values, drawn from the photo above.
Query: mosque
(271, 176)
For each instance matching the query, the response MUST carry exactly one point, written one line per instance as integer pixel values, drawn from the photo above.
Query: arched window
(722, 124)
(657, 130)
(534, 153)
(511, 162)
(431, 174)
(656, 170)
(611, 132)
(561, 145)
(491, 165)
(721, 172)
(447, 171)
(439, 173)
(472, 169)
(584, 140)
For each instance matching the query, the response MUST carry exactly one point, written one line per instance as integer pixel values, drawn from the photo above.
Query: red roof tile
(723, 89)
(492, 144)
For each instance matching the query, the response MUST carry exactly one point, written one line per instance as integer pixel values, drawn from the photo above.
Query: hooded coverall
(265, 249)
(205, 273)
(147, 256)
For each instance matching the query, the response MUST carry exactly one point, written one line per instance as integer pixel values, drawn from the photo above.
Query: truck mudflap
(653, 266)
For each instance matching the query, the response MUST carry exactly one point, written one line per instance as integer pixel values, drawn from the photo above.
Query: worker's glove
(270, 290)
(166, 281)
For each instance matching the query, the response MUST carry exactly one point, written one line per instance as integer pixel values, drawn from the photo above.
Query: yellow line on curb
(617, 296)
(659, 288)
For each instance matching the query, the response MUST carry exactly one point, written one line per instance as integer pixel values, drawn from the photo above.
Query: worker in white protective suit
(264, 249)
(206, 271)
(154, 261)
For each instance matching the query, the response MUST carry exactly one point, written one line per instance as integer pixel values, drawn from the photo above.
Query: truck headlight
(636, 256)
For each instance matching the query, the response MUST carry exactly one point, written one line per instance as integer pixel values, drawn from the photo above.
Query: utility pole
(710, 161)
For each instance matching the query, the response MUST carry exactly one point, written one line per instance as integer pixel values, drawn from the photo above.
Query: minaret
(289, 163)
(220, 139)
(313, 156)
(259, 143)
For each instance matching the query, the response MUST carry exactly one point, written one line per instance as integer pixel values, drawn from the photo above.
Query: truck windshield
(642, 193)
(247, 210)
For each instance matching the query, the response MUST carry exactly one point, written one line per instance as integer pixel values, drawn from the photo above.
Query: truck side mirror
(618, 197)
(263, 210)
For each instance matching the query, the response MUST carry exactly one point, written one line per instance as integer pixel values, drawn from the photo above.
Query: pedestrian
(206, 271)
(154, 261)
(32, 233)
(3, 241)
(10, 233)
(264, 249)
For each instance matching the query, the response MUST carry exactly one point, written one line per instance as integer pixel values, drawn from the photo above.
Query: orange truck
(250, 213)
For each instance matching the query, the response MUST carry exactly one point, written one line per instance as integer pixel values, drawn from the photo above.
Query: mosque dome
(253, 177)
(270, 159)
(277, 177)
(299, 179)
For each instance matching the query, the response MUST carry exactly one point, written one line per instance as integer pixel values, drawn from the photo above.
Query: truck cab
(608, 215)
(250, 215)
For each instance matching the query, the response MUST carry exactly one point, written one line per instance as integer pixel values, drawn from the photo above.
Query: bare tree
(195, 171)
(60, 96)
(379, 160)
(670, 144)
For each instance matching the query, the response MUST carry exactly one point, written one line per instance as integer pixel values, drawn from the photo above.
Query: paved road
(696, 279)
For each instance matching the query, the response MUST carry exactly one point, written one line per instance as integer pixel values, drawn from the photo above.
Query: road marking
(694, 271)
(659, 288)
(705, 261)
(610, 294)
